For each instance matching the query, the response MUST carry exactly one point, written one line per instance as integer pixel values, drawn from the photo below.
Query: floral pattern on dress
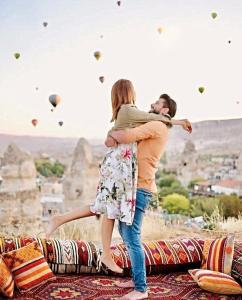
(116, 191)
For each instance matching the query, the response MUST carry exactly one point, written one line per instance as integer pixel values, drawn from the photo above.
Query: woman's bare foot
(109, 262)
(135, 295)
(54, 223)
(126, 284)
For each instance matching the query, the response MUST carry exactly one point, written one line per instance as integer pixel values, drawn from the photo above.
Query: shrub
(230, 206)
(203, 205)
(176, 203)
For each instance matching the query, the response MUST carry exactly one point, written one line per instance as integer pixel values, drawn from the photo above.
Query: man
(152, 138)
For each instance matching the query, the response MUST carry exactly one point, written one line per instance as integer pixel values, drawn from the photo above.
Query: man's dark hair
(170, 103)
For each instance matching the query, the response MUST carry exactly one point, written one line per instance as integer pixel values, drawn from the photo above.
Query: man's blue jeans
(131, 235)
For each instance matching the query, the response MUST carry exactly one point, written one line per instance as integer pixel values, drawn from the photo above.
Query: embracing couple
(127, 178)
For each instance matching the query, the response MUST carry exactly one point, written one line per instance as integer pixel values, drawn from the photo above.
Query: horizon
(193, 50)
(100, 138)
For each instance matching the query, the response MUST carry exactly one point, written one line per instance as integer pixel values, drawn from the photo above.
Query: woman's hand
(110, 142)
(186, 125)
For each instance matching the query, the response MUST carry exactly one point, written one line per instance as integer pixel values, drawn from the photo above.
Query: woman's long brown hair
(122, 93)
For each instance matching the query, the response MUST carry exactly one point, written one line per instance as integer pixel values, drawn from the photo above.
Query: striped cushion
(28, 266)
(164, 255)
(218, 254)
(216, 282)
(6, 280)
(236, 271)
(57, 252)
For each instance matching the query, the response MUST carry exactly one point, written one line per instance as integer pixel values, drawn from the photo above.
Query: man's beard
(153, 111)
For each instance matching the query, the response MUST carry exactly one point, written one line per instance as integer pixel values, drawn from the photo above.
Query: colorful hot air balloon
(119, 3)
(54, 100)
(60, 123)
(201, 89)
(159, 29)
(45, 24)
(34, 122)
(214, 15)
(102, 78)
(17, 55)
(97, 55)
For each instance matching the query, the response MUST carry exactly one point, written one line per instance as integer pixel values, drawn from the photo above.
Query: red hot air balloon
(34, 122)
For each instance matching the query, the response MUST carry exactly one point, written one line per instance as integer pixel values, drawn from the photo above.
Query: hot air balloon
(45, 24)
(101, 36)
(119, 3)
(229, 42)
(237, 102)
(60, 123)
(17, 55)
(97, 55)
(159, 29)
(102, 78)
(36, 88)
(201, 89)
(34, 122)
(214, 15)
(54, 100)
(52, 109)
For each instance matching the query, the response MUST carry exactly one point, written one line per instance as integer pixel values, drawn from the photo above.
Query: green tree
(47, 169)
(194, 181)
(58, 169)
(203, 205)
(176, 203)
(230, 206)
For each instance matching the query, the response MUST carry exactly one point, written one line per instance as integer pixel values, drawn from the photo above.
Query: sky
(192, 51)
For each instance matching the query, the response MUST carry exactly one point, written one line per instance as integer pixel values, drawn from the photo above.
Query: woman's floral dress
(116, 191)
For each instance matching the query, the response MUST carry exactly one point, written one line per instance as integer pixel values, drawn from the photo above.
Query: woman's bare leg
(106, 235)
(57, 221)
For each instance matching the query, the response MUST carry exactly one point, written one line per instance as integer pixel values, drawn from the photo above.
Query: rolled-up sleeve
(149, 130)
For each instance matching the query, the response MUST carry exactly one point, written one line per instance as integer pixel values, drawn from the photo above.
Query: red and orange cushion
(218, 254)
(216, 282)
(6, 280)
(28, 266)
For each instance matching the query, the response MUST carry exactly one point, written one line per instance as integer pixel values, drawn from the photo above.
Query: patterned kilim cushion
(6, 280)
(164, 255)
(62, 256)
(218, 254)
(216, 282)
(28, 266)
(236, 271)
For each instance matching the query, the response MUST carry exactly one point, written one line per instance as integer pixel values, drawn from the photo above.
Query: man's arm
(147, 131)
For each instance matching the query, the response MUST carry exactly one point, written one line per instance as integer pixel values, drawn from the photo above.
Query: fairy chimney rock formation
(17, 170)
(19, 198)
(82, 176)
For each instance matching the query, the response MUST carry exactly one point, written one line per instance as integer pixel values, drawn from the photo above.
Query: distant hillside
(209, 136)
